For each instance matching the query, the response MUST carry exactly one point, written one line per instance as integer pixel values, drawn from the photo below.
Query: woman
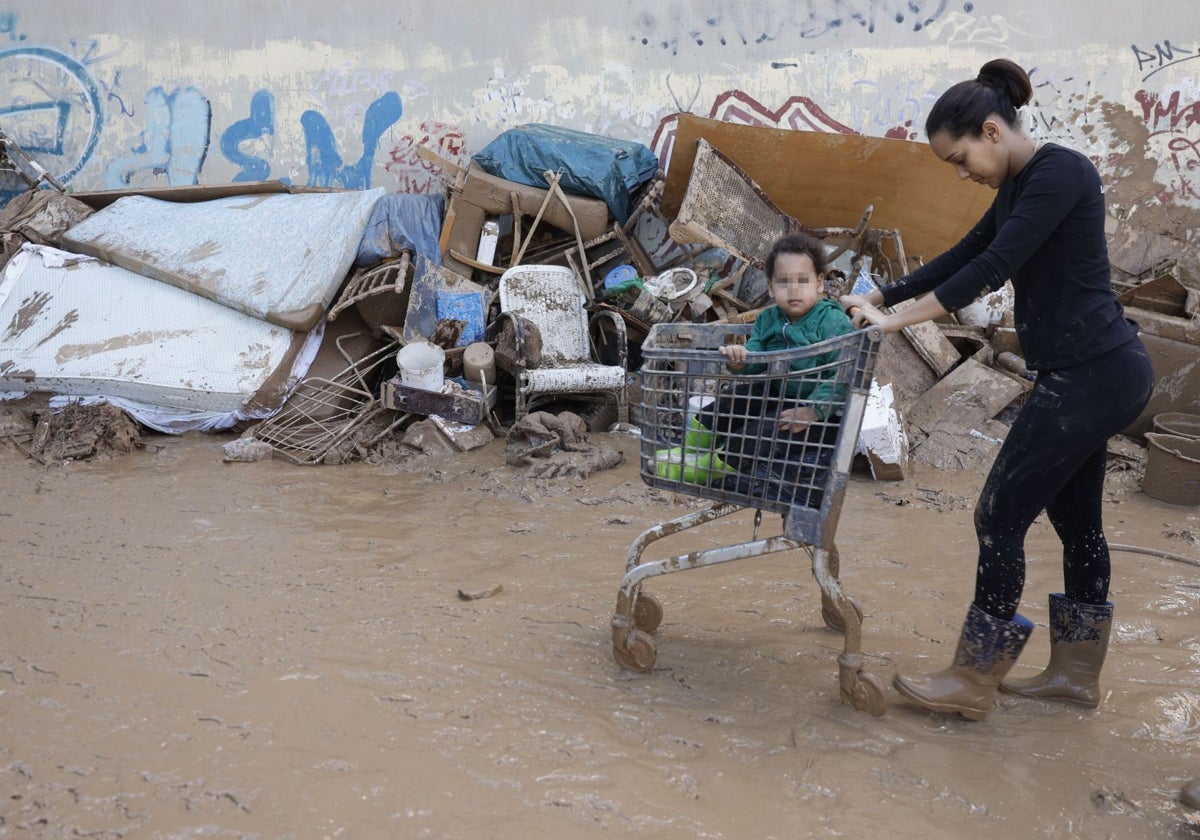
(1045, 232)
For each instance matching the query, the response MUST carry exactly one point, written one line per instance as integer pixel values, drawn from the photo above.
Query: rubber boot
(987, 648)
(1078, 642)
(1190, 794)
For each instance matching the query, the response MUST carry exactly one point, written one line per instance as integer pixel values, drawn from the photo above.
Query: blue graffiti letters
(174, 141)
(253, 129)
(325, 166)
(1163, 55)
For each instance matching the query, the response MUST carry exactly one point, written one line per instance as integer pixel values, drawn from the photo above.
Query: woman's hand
(864, 309)
(735, 353)
(796, 419)
(863, 312)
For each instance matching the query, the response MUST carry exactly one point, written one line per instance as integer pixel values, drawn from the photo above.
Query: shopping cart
(715, 434)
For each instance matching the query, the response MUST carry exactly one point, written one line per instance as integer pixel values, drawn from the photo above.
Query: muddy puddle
(190, 648)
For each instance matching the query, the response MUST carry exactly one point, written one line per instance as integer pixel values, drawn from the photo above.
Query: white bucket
(421, 365)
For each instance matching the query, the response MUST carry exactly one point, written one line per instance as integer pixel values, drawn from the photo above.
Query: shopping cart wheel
(635, 650)
(647, 613)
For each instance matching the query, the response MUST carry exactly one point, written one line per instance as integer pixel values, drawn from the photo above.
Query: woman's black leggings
(1054, 460)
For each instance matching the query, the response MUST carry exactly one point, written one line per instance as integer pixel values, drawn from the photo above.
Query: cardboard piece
(825, 180)
(900, 366)
(421, 318)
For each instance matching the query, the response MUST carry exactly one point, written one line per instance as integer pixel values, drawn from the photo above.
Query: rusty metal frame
(321, 413)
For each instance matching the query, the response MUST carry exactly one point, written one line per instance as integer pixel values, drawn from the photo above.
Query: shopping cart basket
(716, 434)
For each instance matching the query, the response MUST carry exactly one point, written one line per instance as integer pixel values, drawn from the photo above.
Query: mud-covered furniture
(551, 298)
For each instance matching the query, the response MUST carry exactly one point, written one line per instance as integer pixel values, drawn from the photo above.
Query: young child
(762, 428)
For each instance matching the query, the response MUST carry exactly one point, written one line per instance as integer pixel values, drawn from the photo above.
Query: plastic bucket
(1182, 425)
(1173, 469)
(421, 365)
(619, 275)
(479, 363)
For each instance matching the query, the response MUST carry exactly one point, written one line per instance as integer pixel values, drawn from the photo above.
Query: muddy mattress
(279, 257)
(77, 326)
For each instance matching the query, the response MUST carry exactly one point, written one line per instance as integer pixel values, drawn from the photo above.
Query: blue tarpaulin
(590, 164)
(402, 222)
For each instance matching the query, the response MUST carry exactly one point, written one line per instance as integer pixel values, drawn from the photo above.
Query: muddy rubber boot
(1190, 794)
(1078, 642)
(987, 648)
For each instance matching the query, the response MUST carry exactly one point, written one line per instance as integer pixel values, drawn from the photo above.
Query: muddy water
(197, 649)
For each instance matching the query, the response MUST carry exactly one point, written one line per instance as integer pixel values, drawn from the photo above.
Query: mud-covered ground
(197, 649)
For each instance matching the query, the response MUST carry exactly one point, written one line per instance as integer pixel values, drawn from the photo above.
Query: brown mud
(191, 648)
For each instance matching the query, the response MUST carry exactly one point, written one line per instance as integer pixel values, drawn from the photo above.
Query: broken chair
(550, 297)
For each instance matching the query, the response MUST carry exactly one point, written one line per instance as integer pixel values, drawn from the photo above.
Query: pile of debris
(531, 281)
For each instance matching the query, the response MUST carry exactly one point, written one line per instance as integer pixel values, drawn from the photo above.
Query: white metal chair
(551, 298)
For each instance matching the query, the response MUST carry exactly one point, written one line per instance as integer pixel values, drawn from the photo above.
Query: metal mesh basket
(711, 432)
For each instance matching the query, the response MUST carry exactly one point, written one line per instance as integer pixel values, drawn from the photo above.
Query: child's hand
(796, 419)
(735, 353)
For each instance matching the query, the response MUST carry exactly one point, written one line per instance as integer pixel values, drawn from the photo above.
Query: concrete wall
(139, 93)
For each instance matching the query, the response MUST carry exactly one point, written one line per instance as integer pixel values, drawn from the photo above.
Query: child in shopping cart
(770, 428)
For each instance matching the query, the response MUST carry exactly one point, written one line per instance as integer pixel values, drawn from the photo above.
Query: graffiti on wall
(723, 25)
(736, 106)
(54, 108)
(324, 160)
(967, 27)
(415, 174)
(1171, 114)
(60, 106)
(173, 141)
(1174, 125)
(1161, 56)
(247, 143)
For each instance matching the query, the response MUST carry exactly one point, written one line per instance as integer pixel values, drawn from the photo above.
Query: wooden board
(826, 179)
(971, 393)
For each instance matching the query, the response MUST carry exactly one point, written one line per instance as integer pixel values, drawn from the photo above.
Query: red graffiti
(798, 113)
(1154, 112)
(413, 173)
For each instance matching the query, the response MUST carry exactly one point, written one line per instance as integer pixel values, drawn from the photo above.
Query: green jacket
(773, 331)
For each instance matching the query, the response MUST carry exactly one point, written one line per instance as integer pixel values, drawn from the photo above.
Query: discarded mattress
(76, 326)
(279, 257)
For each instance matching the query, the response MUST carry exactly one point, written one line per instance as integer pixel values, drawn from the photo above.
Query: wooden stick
(433, 157)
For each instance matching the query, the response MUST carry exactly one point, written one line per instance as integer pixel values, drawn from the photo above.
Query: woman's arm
(863, 310)
(944, 266)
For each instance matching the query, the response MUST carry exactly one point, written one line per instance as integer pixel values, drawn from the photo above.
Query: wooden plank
(426, 153)
(824, 180)
(971, 393)
(930, 343)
